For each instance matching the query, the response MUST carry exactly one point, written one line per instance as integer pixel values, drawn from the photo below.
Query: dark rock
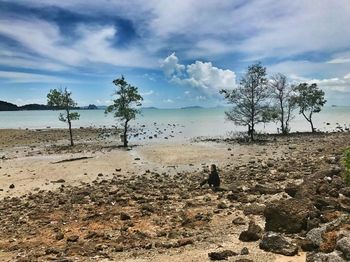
(291, 189)
(59, 236)
(12, 186)
(275, 243)
(221, 255)
(238, 221)
(307, 245)
(253, 233)
(288, 216)
(73, 238)
(124, 216)
(244, 251)
(345, 191)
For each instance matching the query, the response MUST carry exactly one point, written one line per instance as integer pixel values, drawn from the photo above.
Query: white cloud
(168, 100)
(94, 45)
(202, 75)
(147, 93)
(170, 65)
(20, 77)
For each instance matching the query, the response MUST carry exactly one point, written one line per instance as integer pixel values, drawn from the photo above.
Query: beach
(97, 201)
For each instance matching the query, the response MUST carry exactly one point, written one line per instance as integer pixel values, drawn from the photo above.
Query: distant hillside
(150, 107)
(6, 106)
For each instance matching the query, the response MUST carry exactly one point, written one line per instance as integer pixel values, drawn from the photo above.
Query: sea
(175, 123)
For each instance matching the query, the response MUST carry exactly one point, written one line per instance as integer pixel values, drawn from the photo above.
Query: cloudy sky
(178, 52)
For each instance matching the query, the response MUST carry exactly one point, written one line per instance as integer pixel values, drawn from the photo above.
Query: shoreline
(49, 176)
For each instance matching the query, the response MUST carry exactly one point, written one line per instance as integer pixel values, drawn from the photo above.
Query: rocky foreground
(285, 204)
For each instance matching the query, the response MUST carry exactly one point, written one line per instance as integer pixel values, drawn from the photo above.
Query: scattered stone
(222, 255)
(73, 238)
(275, 243)
(124, 216)
(12, 186)
(245, 251)
(253, 233)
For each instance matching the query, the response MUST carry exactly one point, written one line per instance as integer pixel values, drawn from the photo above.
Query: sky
(178, 53)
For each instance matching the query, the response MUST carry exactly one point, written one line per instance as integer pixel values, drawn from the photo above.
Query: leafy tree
(61, 99)
(310, 100)
(250, 99)
(282, 93)
(124, 105)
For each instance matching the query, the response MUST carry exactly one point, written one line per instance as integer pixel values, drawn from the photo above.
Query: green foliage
(61, 99)
(346, 163)
(250, 99)
(310, 99)
(124, 106)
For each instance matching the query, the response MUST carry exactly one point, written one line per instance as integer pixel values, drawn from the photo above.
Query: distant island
(6, 106)
(191, 107)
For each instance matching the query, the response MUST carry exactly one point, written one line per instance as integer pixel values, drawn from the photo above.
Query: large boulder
(274, 242)
(323, 257)
(343, 245)
(288, 215)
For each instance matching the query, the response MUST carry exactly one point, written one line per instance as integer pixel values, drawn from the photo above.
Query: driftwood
(72, 159)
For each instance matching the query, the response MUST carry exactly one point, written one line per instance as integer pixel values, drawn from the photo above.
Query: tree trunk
(252, 133)
(70, 133)
(312, 126)
(125, 134)
(70, 128)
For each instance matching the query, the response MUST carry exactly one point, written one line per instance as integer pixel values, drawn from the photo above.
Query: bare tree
(250, 99)
(282, 93)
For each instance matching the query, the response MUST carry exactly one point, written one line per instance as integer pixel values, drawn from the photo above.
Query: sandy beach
(99, 202)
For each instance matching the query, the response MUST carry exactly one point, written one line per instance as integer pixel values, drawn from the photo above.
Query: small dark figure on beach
(214, 179)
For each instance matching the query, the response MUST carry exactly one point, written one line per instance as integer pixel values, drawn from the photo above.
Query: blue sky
(178, 52)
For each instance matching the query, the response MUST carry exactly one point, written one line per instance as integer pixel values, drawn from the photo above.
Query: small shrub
(346, 163)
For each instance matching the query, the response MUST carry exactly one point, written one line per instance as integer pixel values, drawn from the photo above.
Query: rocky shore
(281, 200)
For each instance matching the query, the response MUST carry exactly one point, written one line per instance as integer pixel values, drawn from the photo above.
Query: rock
(12, 186)
(253, 233)
(124, 216)
(73, 238)
(316, 234)
(329, 242)
(59, 236)
(275, 243)
(345, 204)
(221, 255)
(322, 257)
(343, 245)
(222, 205)
(291, 189)
(267, 190)
(244, 251)
(288, 215)
(345, 191)
(307, 245)
(244, 260)
(238, 221)
(254, 209)
(184, 242)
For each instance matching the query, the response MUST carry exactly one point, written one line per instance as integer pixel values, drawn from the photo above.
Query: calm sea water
(188, 122)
